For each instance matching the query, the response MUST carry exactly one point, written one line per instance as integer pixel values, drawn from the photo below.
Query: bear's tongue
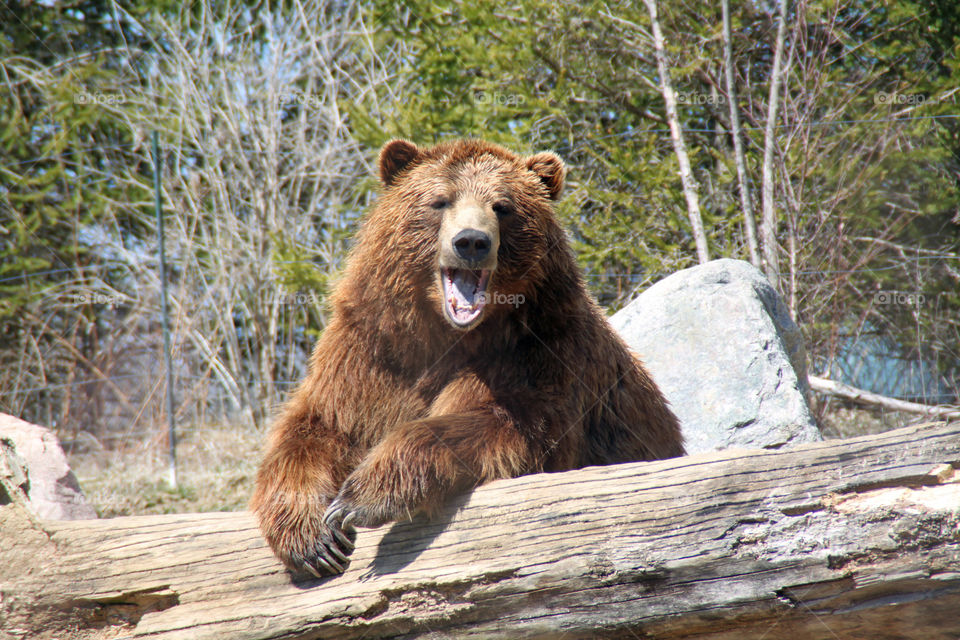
(464, 293)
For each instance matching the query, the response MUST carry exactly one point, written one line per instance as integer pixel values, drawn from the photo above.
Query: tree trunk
(840, 539)
(687, 179)
(769, 223)
(736, 132)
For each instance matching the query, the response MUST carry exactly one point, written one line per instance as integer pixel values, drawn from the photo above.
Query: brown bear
(463, 347)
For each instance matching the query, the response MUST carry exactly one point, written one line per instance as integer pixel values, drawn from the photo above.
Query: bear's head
(474, 223)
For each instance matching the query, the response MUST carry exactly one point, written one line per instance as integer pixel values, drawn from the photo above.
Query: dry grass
(839, 421)
(216, 469)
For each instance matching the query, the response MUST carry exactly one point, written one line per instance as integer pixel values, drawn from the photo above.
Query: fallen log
(848, 539)
(860, 396)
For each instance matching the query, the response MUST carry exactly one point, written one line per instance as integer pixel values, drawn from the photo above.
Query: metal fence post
(171, 418)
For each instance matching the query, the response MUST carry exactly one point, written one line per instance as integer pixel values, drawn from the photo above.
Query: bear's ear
(395, 156)
(550, 168)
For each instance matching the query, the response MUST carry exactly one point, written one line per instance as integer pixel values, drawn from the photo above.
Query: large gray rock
(33, 465)
(721, 345)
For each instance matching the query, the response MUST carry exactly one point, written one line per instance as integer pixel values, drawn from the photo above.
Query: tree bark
(840, 539)
(736, 132)
(768, 225)
(687, 179)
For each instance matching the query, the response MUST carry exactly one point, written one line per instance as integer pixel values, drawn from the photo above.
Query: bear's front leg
(418, 465)
(296, 482)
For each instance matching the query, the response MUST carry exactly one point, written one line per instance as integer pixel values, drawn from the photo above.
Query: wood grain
(844, 539)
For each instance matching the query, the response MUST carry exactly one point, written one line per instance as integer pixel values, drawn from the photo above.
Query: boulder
(33, 468)
(720, 343)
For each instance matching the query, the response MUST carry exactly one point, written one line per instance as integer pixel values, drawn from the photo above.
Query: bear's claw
(340, 523)
(315, 566)
(329, 552)
(321, 567)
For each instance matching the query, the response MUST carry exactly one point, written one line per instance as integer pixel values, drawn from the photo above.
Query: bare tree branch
(746, 202)
(687, 178)
(768, 227)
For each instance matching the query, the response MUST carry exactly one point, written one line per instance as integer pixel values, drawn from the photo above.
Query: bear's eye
(440, 203)
(502, 209)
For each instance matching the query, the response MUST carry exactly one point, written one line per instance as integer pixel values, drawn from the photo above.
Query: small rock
(721, 345)
(32, 461)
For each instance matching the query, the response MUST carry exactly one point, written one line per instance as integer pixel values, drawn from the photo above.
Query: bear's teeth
(464, 293)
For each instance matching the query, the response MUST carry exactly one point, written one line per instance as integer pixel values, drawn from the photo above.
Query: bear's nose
(471, 244)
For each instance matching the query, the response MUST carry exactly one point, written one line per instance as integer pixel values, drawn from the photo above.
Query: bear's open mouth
(464, 294)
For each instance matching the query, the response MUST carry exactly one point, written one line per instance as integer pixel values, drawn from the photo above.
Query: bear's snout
(469, 242)
(469, 235)
(472, 245)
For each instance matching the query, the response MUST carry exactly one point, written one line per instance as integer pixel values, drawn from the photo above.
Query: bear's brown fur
(463, 348)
